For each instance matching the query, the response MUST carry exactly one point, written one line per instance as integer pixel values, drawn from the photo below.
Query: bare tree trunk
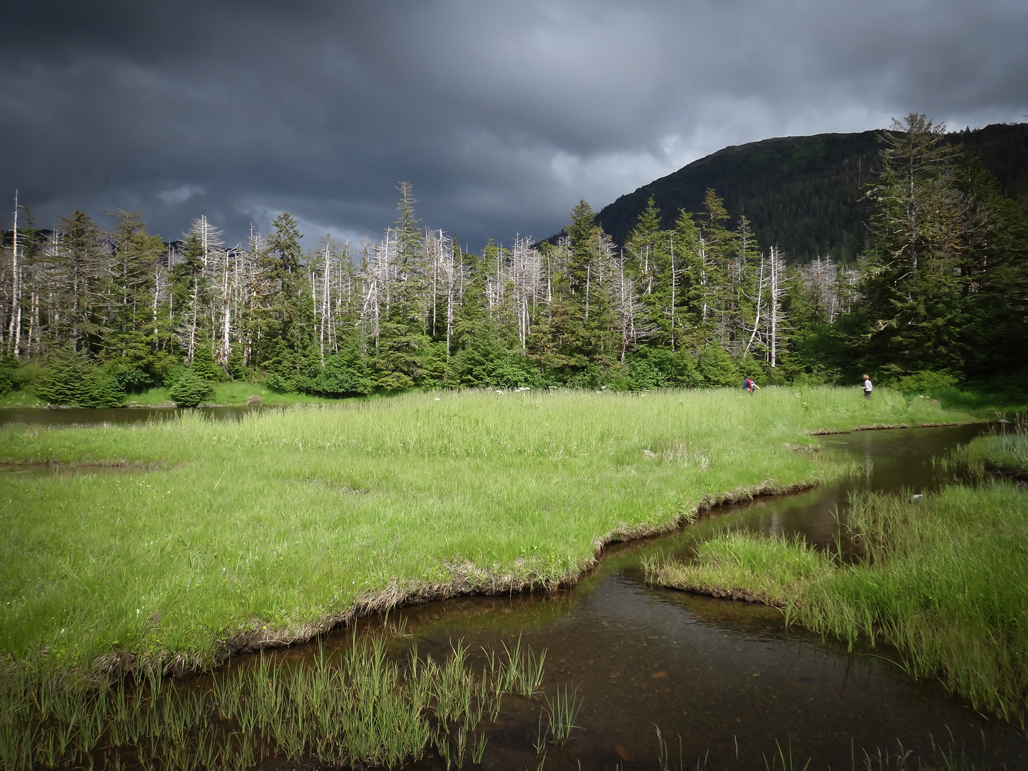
(703, 276)
(14, 332)
(156, 295)
(760, 299)
(226, 314)
(777, 290)
(326, 302)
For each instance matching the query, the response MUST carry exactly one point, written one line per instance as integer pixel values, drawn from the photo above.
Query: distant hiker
(750, 386)
(867, 387)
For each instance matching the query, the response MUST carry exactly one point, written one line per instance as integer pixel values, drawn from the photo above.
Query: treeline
(88, 316)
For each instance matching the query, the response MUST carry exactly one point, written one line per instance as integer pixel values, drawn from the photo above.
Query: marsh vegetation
(937, 581)
(220, 537)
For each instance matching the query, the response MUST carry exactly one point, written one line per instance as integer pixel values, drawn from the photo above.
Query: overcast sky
(502, 115)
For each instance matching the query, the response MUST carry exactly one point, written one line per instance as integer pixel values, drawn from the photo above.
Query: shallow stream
(725, 682)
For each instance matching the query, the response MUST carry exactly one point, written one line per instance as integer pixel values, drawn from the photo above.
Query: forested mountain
(804, 194)
(692, 297)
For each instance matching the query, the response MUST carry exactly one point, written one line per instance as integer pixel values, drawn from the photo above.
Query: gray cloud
(502, 115)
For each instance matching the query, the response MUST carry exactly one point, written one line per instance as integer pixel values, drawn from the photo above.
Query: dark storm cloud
(502, 115)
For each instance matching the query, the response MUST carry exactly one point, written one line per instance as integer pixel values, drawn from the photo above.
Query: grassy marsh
(941, 580)
(218, 535)
(1005, 451)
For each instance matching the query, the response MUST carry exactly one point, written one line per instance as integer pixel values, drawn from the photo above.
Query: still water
(83, 417)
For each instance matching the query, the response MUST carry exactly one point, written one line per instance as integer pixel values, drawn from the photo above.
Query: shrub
(71, 379)
(132, 380)
(9, 380)
(101, 389)
(343, 375)
(516, 370)
(925, 380)
(278, 384)
(63, 381)
(660, 368)
(716, 368)
(395, 381)
(204, 365)
(191, 390)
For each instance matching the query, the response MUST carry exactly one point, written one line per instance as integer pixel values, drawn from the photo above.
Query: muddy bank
(883, 426)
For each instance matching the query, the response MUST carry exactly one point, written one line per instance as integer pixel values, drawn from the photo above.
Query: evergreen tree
(689, 302)
(133, 269)
(912, 312)
(191, 390)
(994, 266)
(403, 345)
(649, 262)
(190, 290)
(287, 345)
(81, 260)
(717, 248)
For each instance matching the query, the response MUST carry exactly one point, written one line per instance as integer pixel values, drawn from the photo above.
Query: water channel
(725, 682)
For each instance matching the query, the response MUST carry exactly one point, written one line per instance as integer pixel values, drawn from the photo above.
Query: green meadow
(166, 543)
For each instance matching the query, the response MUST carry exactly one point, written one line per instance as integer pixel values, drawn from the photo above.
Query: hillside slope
(803, 194)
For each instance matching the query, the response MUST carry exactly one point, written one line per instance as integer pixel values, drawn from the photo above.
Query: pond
(86, 417)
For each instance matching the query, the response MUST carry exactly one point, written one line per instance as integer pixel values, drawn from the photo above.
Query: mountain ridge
(804, 194)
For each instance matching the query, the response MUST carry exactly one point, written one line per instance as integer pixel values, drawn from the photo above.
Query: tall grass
(276, 525)
(746, 566)
(361, 709)
(1005, 450)
(942, 581)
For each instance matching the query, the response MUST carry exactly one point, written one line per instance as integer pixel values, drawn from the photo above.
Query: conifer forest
(937, 296)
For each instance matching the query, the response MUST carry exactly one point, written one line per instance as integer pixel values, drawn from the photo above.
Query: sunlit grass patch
(288, 518)
(366, 707)
(746, 566)
(1004, 450)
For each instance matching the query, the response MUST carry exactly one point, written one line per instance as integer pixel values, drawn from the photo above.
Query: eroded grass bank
(941, 581)
(233, 535)
(1004, 452)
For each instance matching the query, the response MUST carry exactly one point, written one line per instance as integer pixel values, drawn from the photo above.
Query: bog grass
(165, 540)
(1005, 450)
(362, 709)
(940, 582)
(746, 566)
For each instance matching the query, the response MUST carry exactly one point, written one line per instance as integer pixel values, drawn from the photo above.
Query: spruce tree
(81, 268)
(133, 268)
(911, 281)
(403, 339)
(288, 334)
(649, 261)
